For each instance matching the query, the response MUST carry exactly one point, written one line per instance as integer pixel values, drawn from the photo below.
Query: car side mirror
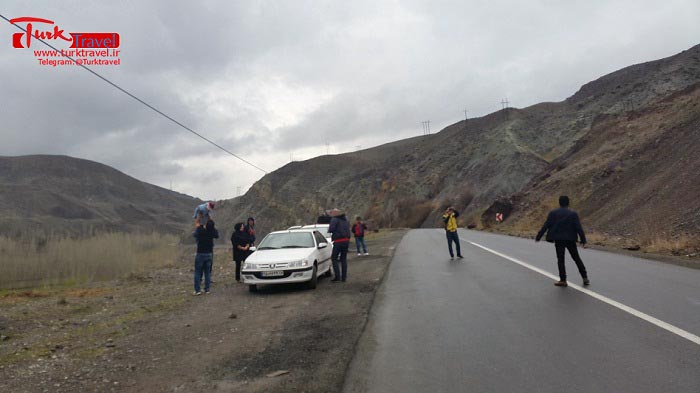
(322, 245)
(251, 248)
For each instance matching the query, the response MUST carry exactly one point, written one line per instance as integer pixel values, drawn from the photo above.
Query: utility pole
(465, 118)
(504, 105)
(426, 127)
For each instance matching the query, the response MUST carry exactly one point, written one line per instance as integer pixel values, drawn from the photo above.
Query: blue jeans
(360, 241)
(453, 237)
(340, 254)
(202, 265)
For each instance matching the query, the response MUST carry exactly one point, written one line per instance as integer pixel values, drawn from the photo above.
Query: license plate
(273, 273)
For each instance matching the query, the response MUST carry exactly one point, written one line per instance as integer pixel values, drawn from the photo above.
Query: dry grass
(661, 244)
(39, 261)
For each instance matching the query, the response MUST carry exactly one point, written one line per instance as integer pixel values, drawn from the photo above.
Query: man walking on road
(563, 227)
(340, 230)
(450, 220)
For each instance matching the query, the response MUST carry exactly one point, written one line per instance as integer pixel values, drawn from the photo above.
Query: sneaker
(460, 257)
(586, 282)
(451, 257)
(366, 254)
(561, 284)
(196, 293)
(359, 255)
(206, 292)
(335, 280)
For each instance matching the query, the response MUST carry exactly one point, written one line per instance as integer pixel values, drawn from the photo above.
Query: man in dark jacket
(340, 230)
(205, 236)
(563, 227)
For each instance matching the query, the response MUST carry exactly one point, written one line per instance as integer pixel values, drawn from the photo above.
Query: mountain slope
(635, 175)
(471, 164)
(65, 195)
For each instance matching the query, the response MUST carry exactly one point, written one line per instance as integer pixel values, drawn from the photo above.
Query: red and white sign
(499, 217)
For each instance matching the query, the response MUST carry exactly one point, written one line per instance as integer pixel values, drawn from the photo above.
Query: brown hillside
(65, 195)
(470, 165)
(634, 175)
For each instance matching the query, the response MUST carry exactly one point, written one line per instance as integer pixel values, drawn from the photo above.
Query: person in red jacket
(358, 230)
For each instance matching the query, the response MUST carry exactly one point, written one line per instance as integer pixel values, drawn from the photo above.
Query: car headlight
(301, 263)
(248, 266)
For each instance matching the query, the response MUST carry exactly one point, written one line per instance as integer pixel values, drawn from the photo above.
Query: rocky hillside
(635, 175)
(64, 195)
(521, 152)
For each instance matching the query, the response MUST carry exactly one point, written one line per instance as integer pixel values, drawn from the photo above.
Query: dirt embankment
(148, 333)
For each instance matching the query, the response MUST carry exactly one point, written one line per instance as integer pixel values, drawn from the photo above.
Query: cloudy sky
(270, 80)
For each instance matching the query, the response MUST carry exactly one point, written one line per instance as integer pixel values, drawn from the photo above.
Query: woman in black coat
(241, 244)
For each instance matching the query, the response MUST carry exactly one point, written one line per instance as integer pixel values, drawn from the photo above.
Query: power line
(136, 98)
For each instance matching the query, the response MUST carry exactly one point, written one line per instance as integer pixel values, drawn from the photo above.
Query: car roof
(315, 226)
(296, 230)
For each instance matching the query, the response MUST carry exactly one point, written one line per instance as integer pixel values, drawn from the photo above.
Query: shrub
(46, 261)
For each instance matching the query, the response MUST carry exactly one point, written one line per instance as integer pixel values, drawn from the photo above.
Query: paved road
(489, 324)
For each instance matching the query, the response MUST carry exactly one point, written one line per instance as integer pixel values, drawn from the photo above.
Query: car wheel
(314, 278)
(253, 288)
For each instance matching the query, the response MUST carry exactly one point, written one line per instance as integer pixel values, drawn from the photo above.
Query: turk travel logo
(84, 49)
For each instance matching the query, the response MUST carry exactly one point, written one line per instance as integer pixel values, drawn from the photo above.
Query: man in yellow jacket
(450, 220)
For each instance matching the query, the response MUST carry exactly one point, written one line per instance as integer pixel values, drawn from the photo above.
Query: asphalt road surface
(494, 322)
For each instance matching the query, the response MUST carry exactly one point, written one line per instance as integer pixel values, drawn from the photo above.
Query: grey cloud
(381, 68)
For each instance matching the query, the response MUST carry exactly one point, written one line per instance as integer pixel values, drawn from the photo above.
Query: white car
(294, 227)
(323, 228)
(283, 257)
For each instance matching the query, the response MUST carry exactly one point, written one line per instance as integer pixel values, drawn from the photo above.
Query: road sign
(499, 217)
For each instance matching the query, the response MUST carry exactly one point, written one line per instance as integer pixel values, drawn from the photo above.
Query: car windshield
(287, 240)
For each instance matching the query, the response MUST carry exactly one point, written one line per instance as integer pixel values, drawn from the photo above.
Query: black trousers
(340, 254)
(238, 269)
(561, 246)
(453, 237)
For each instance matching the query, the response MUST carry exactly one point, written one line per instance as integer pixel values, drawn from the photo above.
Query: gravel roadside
(147, 333)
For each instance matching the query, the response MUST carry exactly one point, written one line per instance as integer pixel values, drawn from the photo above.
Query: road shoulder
(148, 333)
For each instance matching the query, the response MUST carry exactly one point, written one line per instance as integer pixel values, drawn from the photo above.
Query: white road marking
(664, 325)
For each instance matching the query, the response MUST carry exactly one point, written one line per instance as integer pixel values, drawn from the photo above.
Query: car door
(324, 254)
